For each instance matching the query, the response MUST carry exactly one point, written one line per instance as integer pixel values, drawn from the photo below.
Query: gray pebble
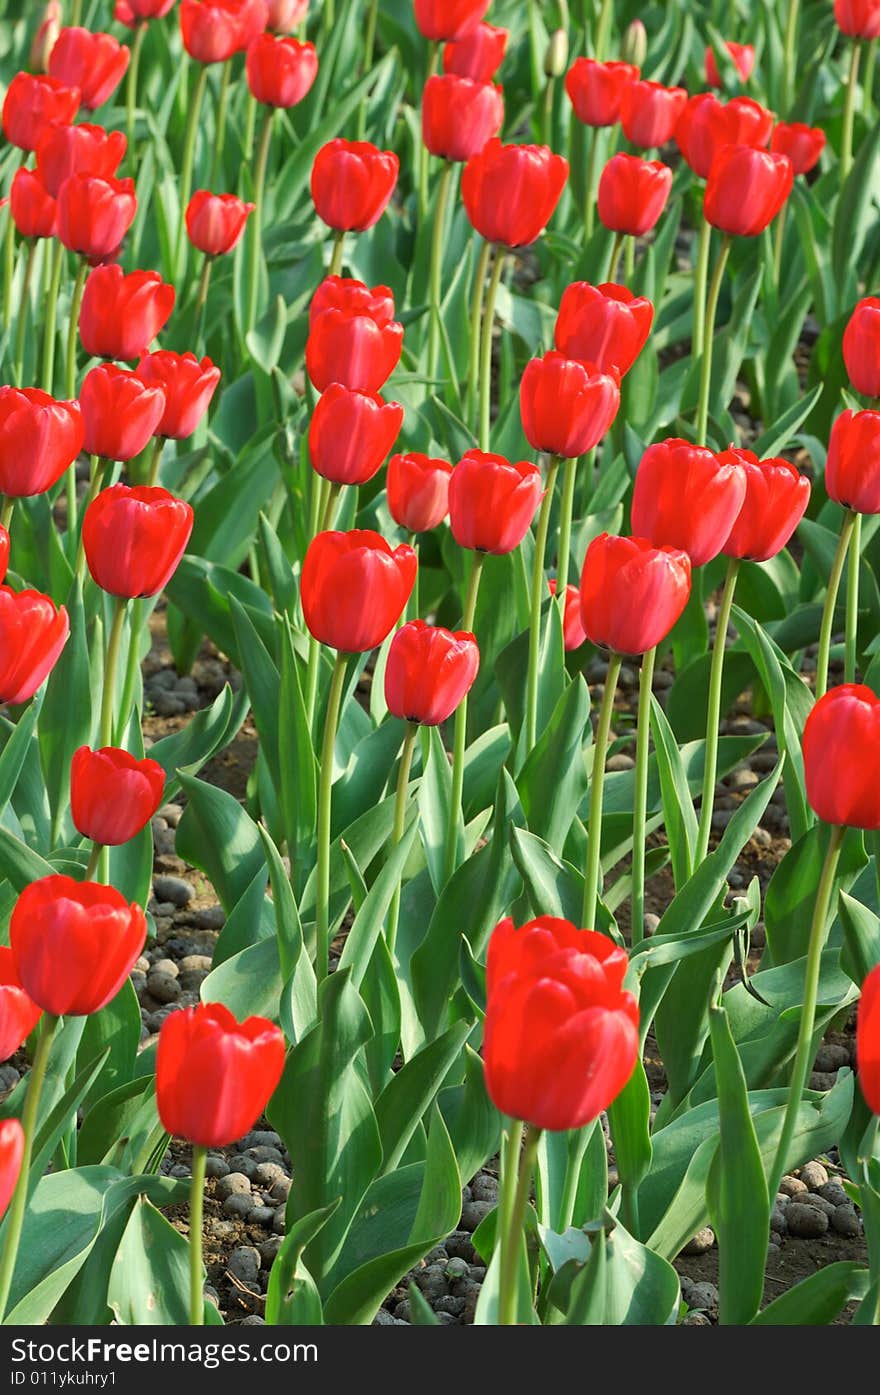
(268, 1250)
(456, 1268)
(173, 889)
(705, 1296)
(265, 1153)
(701, 1242)
(243, 1162)
(485, 1188)
(845, 1221)
(619, 762)
(171, 813)
(814, 1199)
(432, 1281)
(778, 1221)
(209, 918)
(455, 1306)
(262, 1215)
(278, 1223)
(807, 1222)
(268, 1173)
(384, 1319)
(280, 1189)
(834, 1192)
(813, 1175)
(253, 1320)
(169, 704)
(773, 1249)
(233, 1184)
(195, 964)
(216, 1166)
(790, 1186)
(458, 1245)
(831, 1056)
(163, 987)
(695, 1320)
(238, 1205)
(244, 1264)
(473, 1212)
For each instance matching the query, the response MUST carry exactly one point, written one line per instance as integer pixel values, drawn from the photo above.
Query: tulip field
(439, 663)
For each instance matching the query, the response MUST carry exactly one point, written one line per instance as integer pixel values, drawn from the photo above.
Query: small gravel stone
(791, 1186)
(704, 1296)
(238, 1205)
(164, 966)
(701, 1242)
(651, 923)
(778, 1221)
(485, 1188)
(384, 1319)
(807, 1222)
(265, 1153)
(268, 1173)
(278, 1223)
(163, 987)
(262, 1215)
(831, 1056)
(253, 1320)
(171, 813)
(814, 1199)
(813, 1175)
(280, 1189)
(233, 1184)
(195, 964)
(619, 762)
(834, 1192)
(473, 1212)
(243, 1162)
(742, 779)
(173, 889)
(216, 1166)
(457, 1268)
(209, 918)
(458, 1245)
(268, 1250)
(262, 1138)
(169, 704)
(845, 1221)
(721, 818)
(761, 838)
(773, 1249)
(142, 965)
(244, 1265)
(455, 1306)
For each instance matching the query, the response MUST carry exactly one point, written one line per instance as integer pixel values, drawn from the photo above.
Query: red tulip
(802, 144)
(492, 501)
(31, 205)
(596, 89)
(566, 406)
(112, 795)
(121, 315)
(344, 293)
(149, 9)
(459, 116)
(633, 193)
(352, 182)
(213, 30)
(448, 19)
(134, 538)
(868, 1040)
(841, 748)
(85, 149)
(11, 1153)
(776, 500)
(429, 671)
(861, 347)
(649, 112)
(215, 1075)
(351, 433)
(280, 72)
(32, 635)
(95, 63)
(706, 125)
(188, 384)
(858, 18)
(120, 412)
(606, 325)
(746, 189)
(852, 468)
(510, 192)
(33, 101)
(742, 55)
(632, 593)
(4, 552)
(573, 632)
(561, 1035)
(286, 15)
(18, 1014)
(74, 943)
(352, 349)
(686, 497)
(39, 438)
(354, 588)
(418, 491)
(215, 222)
(478, 55)
(94, 214)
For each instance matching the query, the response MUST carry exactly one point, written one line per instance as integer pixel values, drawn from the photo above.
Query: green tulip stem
(250, 126)
(868, 82)
(778, 245)
(196, 1204)
(8, 266)
(330, 503)
(325, 795)
(849, 111)
(24, 301)
(369, 50)
(6, 513)
(400, 803)
(97, 469)
(155, 462)
(111, 663)
(640, 796)
(486, 347)
(716, 675)
(538, 585)
(566, 512)
(132, 663)
(804, 1051)
(852, 602)
(79, 284)
(220, 125)
(789, 58)
(48, 373)
(708, 335)
(616, 246)
(701, 279)
(827, 625)
(15, 1214)
(590, 183)
(187, 163)
(592, 873)
(516, 1180)
(423, 158)
(335, 268)
(476, 325)
(255, 230)
(131, 86)
(201, 304)
(459, 738)
(603, 29)
(94, 860)
(436, 273)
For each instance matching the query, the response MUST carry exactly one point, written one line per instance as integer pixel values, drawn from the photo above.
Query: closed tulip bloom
(32, 634)
(561, 1035)
(344, 293)
(776, 499)
(121, 315)
(354, 588)
(742, 56)
(286, 15)
(510, 192)
(120, 412)
(478, 55)
(215, 222)
(352, 182)
(4, 552)
(213, 30)
(429, 671)
(632, 593)
(492, 501)
(417, 487)
(112, 795)
(280, 72)
(459, 116)
(448, 19)
(86, 149)
(868, 1040)
(566, 406)
(44, 40)
(649, 112)
(573, 632)
(606, 325)
(852, 467)
(858, 18)
(352, 349)
(74, 943)
(134, 538)
(633, 193)
(861, 347)
(706, 124)
(189, 384)
(19, 1015)
(150, 9)
(31, 205)
(215, 1075)
(94, 214)
(746, 189)
(11, 1153)
(39, 438)
(95, 63)
(31, 103)
(841, 747)
(802, 144)
(686, 497)
(351, 433)
(596, 89)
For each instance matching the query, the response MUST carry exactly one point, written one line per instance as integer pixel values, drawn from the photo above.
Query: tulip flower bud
(429, 672)
(860, 19)
(4, 552)
(285, 16)
(868, 1040)
(354, 588)
(188, 384)
(94, 214)
(841, 747)
(596, 89)
(742, 57)
(134, 537)
(441, 20)
(775, 502)
(573, 632)
(861, 347)
(510, 192)
(633, 193)
(39, 439)
(556, 57)
(31, 103)
(459, 116)
(84, 149)
(852, 466)
(802, 144)
(45, 37)
(215, 222)
(31, 205)
(606, 325)
(350, 348)
(113, 796)
(566, 405)
(686, 497)
(95, 63)
(706, 124)
(746, 189)
(351, 433)
(418, 491)
(121, 315)
(11, 1153)
(634, 48)
(19, 1014)
(280, 71)
(352, 182)
(120, 412)
(32, 635)
(632, 593)
(649, 112)
(492, 501)
(478, 55)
